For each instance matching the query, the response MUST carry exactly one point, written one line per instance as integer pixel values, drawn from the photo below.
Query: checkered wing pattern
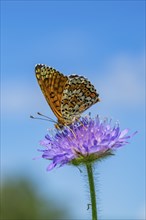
(79, 94)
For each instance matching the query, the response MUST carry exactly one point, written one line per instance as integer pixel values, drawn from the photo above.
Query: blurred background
(104, 41)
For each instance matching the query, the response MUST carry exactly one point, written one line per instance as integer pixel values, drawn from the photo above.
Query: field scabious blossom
(86, 140)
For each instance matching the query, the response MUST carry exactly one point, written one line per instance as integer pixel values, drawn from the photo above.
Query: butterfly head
(59, 126)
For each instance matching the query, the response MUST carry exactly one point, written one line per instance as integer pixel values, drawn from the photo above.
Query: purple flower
(84, 141)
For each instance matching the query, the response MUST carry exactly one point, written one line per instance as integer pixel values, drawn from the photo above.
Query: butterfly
(67, 96)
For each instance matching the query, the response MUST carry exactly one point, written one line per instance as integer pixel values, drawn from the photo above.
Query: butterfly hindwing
(79, 94)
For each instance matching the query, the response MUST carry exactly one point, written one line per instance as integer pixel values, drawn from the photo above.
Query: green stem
(92, 190)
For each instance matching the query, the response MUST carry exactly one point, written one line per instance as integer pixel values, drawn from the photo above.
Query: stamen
(81, 123)
(71, 131)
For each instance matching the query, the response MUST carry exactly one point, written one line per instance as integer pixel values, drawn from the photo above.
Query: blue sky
(102, 40)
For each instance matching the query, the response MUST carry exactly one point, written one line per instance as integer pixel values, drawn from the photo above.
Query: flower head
(84, 141)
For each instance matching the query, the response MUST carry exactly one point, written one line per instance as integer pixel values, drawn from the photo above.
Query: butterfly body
(68, 96)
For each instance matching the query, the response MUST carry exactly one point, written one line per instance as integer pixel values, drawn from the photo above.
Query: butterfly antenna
(49, 119)
(43, 119)
(39, 118)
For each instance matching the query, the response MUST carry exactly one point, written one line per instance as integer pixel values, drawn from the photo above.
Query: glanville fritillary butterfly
(67, 96)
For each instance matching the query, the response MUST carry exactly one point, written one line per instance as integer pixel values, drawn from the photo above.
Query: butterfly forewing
(52, 84)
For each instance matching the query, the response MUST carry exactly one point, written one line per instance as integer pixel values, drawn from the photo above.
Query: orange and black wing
(52, 84)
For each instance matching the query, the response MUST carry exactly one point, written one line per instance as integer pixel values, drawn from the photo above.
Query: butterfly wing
(79, 94)
(52, 84)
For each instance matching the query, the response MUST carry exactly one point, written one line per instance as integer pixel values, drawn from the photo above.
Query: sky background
(105, 42)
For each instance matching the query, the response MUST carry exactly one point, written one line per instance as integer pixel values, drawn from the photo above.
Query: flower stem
(92, 190)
